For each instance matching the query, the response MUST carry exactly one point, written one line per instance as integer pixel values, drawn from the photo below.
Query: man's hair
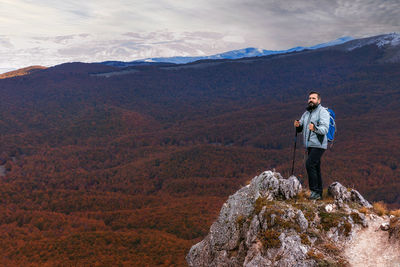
(314, 92)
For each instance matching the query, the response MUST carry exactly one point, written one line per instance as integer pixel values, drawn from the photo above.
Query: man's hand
(311, 127)
(296, 123)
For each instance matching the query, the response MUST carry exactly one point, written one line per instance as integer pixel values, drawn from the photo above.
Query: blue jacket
(317, 138)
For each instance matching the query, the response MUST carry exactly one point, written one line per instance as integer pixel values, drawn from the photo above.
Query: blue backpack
(332, 126)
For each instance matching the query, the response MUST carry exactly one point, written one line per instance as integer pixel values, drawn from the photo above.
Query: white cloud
(73, 30)
(49, 51)
(5, 42)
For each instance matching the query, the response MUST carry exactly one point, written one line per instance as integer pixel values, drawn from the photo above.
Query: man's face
(313, 100)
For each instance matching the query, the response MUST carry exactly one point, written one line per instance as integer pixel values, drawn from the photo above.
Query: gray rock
(222, 259)
(358, 198)
(385, 226)
(273, 216)
(302, 221)
(289, 214)
(330, 208)
(200, 254)
(273, 185)
(333, 233)
(225, 232)
(255, 259)
(341, 194)
(289, 187)
(267, 183)
(293, 252)
(251, 235)
(363, 218)
(262, 218)
(258, 261)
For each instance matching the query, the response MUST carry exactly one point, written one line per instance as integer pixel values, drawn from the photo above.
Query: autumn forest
(102, 166)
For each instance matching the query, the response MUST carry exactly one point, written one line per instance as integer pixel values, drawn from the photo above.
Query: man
(314, 124)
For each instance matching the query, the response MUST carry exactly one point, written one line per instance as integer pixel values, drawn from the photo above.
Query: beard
(311, 105)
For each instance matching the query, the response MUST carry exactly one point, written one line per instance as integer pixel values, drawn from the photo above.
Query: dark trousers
(313, 166)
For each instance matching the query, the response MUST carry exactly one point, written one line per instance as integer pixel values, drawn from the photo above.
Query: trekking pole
(294, 151)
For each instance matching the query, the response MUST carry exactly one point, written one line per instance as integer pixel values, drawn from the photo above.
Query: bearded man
(314, 124)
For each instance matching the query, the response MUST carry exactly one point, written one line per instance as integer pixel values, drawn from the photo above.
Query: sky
(50, 32)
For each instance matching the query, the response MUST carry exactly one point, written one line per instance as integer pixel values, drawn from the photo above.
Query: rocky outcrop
(225, 232)
(342, 194)
(271, 222)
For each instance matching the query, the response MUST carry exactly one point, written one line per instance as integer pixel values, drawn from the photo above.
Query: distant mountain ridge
(344, 43)
(234, 54)
(391, 40)
(21, 72)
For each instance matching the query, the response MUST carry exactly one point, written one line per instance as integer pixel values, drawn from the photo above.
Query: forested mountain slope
(133, 164)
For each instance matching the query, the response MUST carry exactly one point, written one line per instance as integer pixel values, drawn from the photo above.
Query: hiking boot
(315, 196)
(312, 195)
(318, 196)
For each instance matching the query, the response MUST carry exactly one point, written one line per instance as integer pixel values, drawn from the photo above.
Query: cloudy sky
(49, 32)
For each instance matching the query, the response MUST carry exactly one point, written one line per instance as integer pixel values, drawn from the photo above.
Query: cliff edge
(271, 222)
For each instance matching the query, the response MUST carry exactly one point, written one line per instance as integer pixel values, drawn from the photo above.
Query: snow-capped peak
(391, 39)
